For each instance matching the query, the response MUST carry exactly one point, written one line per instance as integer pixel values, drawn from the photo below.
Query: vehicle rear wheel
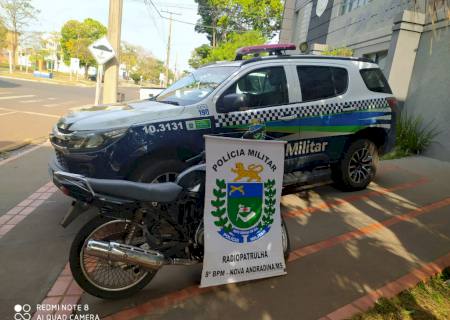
(158, 171)
(358, 167)
(101, 278)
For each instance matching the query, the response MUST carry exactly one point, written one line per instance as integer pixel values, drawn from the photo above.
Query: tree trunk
(14, 49)
(86, 68)
(10, 61)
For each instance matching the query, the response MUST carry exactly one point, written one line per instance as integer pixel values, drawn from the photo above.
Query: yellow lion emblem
(251, 173)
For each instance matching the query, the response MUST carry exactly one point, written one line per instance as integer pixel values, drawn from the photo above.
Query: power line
(181, 21)
(154, 22)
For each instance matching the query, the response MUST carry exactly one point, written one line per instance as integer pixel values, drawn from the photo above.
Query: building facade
(362, 25)
(399, 35)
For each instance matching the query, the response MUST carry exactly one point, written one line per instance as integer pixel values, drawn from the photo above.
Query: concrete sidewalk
(23, 176)
(345, 246)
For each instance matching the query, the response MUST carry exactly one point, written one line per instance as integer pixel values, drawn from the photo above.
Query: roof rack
(272, 49)
(302, 56)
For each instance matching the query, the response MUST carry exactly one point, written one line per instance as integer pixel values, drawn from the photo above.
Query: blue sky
(140, 25)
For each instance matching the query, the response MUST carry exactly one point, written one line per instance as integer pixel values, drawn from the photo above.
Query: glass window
(350, 5)
(263, 88)
(340, 79)
(196, 86)
(318, 82)
(375, 80)
(379, 58)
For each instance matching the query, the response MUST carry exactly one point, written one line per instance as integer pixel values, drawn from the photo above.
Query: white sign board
(242, 210)
(102, 50)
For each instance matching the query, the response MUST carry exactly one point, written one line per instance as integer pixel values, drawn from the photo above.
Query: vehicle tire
(158, 170)
(358, 166)
(285, 239)
(85, 273)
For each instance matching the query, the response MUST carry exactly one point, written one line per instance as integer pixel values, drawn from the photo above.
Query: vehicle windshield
(196, 86)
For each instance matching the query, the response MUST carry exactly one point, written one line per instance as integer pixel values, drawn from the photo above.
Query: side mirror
(233, 102)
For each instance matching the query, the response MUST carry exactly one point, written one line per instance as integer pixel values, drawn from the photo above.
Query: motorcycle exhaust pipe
(117, 252)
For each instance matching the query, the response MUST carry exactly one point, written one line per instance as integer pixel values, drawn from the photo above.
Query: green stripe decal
(315, 128)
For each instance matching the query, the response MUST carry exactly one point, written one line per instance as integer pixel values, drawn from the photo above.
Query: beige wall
(429, 91)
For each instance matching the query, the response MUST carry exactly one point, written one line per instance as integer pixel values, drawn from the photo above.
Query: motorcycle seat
(147, 192)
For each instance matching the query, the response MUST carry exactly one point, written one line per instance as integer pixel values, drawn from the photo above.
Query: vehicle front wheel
(158, 171)
(358, 166)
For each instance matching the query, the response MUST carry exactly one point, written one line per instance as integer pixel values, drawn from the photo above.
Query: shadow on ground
(322, 282)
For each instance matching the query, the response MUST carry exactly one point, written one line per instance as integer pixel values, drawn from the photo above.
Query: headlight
(93, 140)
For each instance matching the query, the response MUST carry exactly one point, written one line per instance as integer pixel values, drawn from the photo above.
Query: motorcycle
(140, 228)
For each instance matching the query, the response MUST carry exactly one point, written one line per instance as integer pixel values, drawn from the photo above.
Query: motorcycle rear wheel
(97, 276)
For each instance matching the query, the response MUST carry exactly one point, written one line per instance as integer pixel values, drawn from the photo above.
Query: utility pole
(169, 46)
(168, 51)
(112, 67)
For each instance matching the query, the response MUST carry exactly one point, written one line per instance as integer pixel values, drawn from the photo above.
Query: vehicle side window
(375, 80)
(263, 88)
(320, 82)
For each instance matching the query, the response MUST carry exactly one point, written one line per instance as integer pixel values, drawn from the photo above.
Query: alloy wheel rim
(360, 165)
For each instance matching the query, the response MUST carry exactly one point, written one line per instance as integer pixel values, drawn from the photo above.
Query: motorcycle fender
(74, 211)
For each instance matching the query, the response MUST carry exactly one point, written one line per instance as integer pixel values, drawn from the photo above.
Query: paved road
(345, 245)
(28, 110)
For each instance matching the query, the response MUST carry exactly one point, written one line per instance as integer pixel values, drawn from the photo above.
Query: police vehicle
(337, 115)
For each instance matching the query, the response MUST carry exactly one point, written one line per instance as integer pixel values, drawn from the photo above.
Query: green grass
(427, 301)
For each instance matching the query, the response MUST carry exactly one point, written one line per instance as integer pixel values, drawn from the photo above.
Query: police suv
(336, 114)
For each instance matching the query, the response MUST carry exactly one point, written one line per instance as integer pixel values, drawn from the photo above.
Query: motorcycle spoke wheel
(107, 275)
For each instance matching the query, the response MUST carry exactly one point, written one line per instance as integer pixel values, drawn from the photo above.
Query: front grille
(60, 158)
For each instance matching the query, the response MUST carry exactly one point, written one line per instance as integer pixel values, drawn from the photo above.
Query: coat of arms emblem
(244, 207)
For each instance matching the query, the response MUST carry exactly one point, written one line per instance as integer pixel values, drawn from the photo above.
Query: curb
(18, 145)
(15, 146)
(11, 157)
(48, 82)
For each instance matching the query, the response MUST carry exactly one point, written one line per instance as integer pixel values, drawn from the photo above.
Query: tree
(200, 56)
(129, 56)
(148, 67)
(77, 36)
(3, 33)
(218, 18)
(227, 49)
(17, 14)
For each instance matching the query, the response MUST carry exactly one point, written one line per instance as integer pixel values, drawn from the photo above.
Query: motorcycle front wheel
(101, 278)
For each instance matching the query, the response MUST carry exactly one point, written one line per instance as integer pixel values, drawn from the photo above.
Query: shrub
(341, 52)
(413, 135)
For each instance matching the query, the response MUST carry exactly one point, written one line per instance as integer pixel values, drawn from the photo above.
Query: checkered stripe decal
(298, 110)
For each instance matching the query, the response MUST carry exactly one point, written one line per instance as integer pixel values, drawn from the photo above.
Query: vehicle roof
(240, 63)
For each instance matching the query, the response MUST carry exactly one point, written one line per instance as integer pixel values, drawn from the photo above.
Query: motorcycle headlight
(93, 140)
